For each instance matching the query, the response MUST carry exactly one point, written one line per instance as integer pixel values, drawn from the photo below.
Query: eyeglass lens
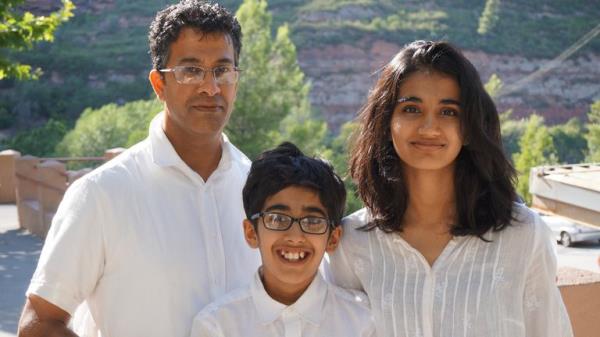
(312, 225)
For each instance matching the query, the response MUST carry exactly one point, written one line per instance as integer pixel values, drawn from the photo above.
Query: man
(150, 238)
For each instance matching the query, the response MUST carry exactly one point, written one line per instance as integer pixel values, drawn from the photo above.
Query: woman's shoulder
(357, 219)
(526, 225)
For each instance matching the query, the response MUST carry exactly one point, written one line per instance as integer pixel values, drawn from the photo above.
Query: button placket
(292, 324)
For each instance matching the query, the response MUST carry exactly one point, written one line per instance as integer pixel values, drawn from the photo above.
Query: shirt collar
(309, 306)
(164, 155)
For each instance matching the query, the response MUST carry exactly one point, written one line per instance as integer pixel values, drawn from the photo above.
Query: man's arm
(41, 318)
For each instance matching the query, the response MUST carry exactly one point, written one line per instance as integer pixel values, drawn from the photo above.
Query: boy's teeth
(292, 256)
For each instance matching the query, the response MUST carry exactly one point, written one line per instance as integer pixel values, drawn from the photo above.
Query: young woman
(442, 248)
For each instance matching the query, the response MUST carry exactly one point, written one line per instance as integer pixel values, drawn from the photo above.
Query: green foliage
(569, 141)
(593, 133)
(39, 141)
(272, 85)
(512, 130)
(489, 17)
(307, 131)
(535, 148)
(19, 30)
(512, 32)
(338, 153)
(493, 85)
(108, 127)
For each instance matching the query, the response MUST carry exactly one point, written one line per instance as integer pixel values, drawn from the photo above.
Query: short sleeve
(205, 325)
(72, 259)
(544, 310)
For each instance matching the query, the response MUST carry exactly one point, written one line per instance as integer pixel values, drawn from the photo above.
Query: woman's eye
(410, 109)
(449, 112)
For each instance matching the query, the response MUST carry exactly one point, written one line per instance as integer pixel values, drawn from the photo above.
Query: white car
(568, 232)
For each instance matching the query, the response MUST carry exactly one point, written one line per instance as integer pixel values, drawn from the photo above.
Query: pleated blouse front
(503, 288)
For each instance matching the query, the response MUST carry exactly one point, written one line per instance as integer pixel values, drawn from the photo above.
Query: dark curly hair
(484, 177)
(286, 166)
(203, 16)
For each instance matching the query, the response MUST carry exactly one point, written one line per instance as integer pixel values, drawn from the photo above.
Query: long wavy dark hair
(484, 177)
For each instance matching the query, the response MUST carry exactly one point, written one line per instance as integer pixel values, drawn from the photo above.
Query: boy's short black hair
(286, 166)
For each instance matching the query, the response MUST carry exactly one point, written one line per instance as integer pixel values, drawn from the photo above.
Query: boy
(294, 205)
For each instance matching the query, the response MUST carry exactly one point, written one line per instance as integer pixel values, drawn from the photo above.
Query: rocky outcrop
(341, 76)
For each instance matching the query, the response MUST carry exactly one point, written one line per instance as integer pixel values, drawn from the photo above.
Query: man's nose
(209, 85)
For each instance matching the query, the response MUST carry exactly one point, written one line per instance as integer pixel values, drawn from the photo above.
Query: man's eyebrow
(224, 60)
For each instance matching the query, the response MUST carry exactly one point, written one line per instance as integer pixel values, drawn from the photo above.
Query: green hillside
(101, 57)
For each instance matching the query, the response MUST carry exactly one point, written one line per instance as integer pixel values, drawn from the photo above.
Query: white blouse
(504, 288)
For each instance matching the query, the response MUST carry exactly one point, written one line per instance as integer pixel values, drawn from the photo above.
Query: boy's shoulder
(226, 302)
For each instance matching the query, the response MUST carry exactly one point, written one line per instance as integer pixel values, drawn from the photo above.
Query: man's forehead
(191, 46)
(203, 36)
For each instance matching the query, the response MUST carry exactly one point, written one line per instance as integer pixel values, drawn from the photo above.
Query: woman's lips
(428, 146)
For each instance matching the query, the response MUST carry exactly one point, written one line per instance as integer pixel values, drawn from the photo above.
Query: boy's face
(290, 258)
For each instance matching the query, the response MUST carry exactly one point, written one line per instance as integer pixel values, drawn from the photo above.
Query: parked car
(568, 232)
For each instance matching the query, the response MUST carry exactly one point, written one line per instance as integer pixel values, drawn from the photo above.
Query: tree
(338, 153)
(569, 141)
(489, 17)
(493, 86)
(39, 141)
(272, 85)
(593, 133)
(512, 131)
(19, 30)
(536, 148)
(107, 127)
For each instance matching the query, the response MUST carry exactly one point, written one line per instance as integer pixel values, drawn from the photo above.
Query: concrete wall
(583, 304)
(7, 176)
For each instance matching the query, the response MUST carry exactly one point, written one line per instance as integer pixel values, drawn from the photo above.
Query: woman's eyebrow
(449, 101)
(409, 99)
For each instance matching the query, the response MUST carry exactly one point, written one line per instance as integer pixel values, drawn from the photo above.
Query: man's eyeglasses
(196, 75)
(282, 222)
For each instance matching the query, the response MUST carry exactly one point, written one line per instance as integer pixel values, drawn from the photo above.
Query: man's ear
(334, 239)
(250, 234)
(158, 83)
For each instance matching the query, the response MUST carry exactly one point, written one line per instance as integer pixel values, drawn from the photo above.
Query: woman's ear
(334, 239)
(250, 234)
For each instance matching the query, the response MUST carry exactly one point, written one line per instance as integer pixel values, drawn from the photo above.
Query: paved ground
(582, 255)
(19, 252)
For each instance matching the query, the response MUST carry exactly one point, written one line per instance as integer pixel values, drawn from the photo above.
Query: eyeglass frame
(262, 214)
(174, 70)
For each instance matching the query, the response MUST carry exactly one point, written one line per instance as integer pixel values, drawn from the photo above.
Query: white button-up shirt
(324, 310)
(504, 288)
(146, 242)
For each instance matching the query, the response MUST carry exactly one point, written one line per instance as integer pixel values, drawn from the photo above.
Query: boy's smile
(290, 258)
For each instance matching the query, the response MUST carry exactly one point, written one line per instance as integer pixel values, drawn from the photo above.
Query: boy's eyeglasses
(196, 75)
(283, 222)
